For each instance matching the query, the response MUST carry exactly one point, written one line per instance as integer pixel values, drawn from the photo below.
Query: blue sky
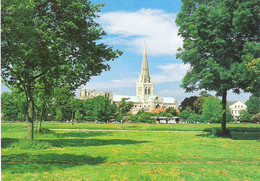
(128, 24)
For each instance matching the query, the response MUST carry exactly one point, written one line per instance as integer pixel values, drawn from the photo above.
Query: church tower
(144, 87)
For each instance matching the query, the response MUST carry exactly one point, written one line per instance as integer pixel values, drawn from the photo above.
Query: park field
(136, 152)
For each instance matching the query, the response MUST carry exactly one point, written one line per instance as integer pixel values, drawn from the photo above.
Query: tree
(188, 102)
(51, 40)
(124, 107)
(144, 117)
(204, 94)
(193, 118)
(88, 108)
(212, 110)
(198, 104)
(245, 116)
(63, 102)
(172, 111)
(216, 36)
(103, 110)
(184, 114)
(253, 104)
(255, 118)
(13, 106)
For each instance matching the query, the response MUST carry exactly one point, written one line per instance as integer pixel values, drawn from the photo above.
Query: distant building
(235, 108)
(145, 99)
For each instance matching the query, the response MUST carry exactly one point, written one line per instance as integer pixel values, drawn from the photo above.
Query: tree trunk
(42, 114)
(224, 113)
(39, 126)
(30, 115)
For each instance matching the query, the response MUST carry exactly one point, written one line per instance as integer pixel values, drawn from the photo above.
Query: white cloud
(170, 73)
(156, 27)
(115, 83)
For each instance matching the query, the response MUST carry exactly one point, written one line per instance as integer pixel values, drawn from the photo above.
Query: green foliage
(171, 112)
(163, 114)
(212, 109)
(198, 104)
(193, 118)
(13, 106)
(144, 117)
(245, 116)
(30, 145)
(124, 106)
(103, 110)
(88, 108)
(184, 114)
(59, 115)
(253, 104)
(204, 94)
(78, 116)
(188, 103)
(255, 118)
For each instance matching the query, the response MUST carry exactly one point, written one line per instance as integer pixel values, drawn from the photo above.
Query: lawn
(108, 155)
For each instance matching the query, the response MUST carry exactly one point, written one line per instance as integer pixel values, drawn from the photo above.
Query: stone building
(144, 99)
(235, 108)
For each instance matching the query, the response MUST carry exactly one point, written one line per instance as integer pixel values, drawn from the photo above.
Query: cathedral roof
(168, 100)
(118, 98)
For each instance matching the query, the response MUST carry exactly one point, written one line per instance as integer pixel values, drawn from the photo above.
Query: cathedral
(144, 100)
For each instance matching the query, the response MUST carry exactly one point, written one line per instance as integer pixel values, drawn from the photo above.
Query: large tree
(216, 36)
(51, 39)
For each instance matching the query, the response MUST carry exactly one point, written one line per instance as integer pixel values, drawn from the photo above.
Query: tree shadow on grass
(235, 129)
(236, 133)
(45, 162)
(6, 142)
(90, 142)
(76, 134)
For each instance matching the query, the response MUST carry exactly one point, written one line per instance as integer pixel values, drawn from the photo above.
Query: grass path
(111, 130)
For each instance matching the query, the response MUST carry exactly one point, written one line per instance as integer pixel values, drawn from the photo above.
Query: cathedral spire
(144, 87)
(145, 71)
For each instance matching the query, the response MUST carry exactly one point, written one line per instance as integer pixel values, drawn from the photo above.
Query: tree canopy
(253, 104)
(216, 36)
(188, 102)
(211, 111)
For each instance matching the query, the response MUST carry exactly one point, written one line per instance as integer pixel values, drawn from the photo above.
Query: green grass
(131, 155)
(141, 127)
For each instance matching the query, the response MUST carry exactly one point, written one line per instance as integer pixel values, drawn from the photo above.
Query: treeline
(65, 107)
(207, 108)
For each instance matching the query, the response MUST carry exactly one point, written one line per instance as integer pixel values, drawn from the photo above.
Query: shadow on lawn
(81, 134)
(236, 133)
(90, 142)
(45, 162)
(6, 142)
